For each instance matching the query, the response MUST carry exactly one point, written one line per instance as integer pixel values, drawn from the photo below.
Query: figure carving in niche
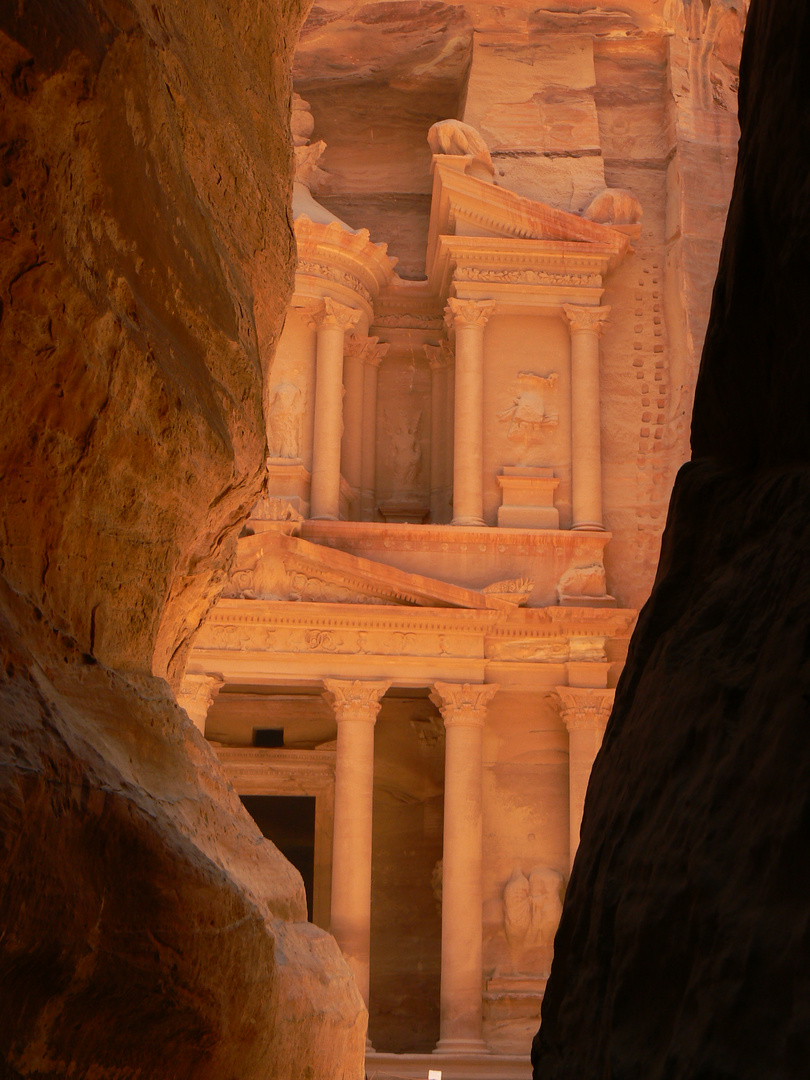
(406, 451)
(582, 581)
(458, 139)
(285, 415)
(532, 907)
(531, 413)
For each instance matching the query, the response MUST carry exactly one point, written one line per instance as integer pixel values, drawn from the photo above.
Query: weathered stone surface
(145, 266)
(683, 949)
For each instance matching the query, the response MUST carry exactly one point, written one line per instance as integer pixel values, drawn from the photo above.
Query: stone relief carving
(410, 322)
(540, 650)
(333, 639)
(459, 139)
(582, 581)
(285, 413)
(406, 450)
(515, 590)
(526, 277)
(532, 907)
(532, 411)
(334, 273)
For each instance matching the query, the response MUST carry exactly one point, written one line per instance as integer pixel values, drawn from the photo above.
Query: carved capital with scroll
(355, 699)
(463, 704)
(583, 708)
(590, 320)
(461, 313)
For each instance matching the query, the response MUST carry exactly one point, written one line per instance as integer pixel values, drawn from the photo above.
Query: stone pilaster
(463, 707)
(368, 471)
(468, 318)
(356, 704)
(440, 358)
(196, 696)
(332, 322)
(586, 324)
(585, 714)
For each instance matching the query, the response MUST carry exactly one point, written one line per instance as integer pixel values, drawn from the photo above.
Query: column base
(588, 526)
(324, 517)
(461, 1046)
(476, 521)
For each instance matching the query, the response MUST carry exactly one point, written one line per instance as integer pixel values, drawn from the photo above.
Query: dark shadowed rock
(148, 930)
(684, 946)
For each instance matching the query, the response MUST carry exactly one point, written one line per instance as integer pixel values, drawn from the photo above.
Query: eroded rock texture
(684, 947)
(148, 929)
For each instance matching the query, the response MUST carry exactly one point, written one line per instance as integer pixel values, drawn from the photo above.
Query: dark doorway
(289, 821)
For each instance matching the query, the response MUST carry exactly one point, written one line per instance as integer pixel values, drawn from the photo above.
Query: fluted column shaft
(469, 319)
(585, 714)
(463, 707)
(332, 323)
(586, 451)
(356, 705)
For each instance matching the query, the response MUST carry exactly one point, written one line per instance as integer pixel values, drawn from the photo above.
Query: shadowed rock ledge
(145, 266)
(684, 946)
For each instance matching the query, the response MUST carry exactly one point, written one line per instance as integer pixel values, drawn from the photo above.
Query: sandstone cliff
(145, 265)
(683, 949)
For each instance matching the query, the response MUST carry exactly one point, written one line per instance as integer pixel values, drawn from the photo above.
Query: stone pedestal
(585, 713)
(288, 479)
(469, 319)
(332, 322)
(586, 324)
(463, 708)
(356, 705)
(528, 498)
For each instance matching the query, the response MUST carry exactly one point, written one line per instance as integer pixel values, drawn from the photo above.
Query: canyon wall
(145, 267)
(684, 946)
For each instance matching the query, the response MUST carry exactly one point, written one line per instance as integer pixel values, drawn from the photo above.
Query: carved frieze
(525, 277)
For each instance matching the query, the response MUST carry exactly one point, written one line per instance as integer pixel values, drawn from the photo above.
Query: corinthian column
(585, 713)
(332, 322)
(368, 470)
(463, 707)
(469, 318)
(586, 325)
(356, 705)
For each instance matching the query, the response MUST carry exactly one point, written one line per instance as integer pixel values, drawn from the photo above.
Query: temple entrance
(406, 925)
(289, 821)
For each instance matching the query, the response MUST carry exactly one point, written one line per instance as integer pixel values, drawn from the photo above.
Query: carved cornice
(355, 699)
(590, 320)
(584, 708)
(462, 313)
(332, 254)
(463, 704)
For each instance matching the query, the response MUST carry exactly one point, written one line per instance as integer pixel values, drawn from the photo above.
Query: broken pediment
(274, 566)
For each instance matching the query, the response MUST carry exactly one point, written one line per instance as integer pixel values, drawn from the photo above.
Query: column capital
(439, 356)
(196, 695)
(589, 320)
(463, 704)
(338, 316)
(459, 313)
(584, 708)
(366, 349)
(355, 699)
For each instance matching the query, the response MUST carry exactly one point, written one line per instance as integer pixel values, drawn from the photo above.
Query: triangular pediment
(275, 566)
(466, 206)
